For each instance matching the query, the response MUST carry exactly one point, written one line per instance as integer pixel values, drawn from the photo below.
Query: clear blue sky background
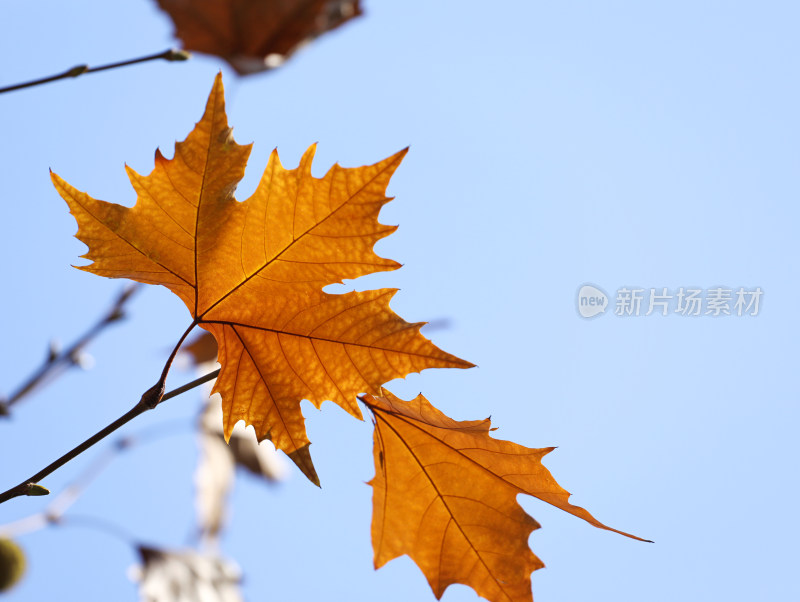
(552, 144)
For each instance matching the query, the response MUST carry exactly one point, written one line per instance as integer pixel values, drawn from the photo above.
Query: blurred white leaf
(186, 576)
(216, 466)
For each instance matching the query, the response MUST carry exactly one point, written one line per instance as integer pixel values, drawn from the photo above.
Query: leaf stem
(168, 55)
(150, 399)
(171, 358)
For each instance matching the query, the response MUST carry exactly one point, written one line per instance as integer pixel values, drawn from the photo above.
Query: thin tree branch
(97, 524)
(58, 361)
(188, 386)
(151, 398)
(53, 513)
(167, 55)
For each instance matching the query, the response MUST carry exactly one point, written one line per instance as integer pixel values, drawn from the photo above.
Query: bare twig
(57, 361)
(188, 386)
(151, 398)
(53, 513)
(55, 509)
(167, 55)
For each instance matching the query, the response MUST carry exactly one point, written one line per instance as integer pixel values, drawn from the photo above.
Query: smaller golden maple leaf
(252, 274)
(445, 493)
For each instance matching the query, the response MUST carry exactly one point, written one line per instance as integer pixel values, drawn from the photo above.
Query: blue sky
(648, 145)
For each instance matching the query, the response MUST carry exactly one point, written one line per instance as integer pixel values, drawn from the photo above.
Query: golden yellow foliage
(252, 274)
(445, 493)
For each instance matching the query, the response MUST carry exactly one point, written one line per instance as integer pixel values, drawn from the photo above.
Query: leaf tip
(302, 458)
(308, 158)
(395, 160)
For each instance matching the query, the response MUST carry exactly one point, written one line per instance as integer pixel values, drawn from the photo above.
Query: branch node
(152, 397)
(81, 359)
(34, 489)
(76, 71)
(52, 518)
(53, 351)
(115, 315)
(175, 54)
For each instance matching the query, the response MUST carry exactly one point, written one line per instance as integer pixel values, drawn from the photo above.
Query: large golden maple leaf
(252, 274)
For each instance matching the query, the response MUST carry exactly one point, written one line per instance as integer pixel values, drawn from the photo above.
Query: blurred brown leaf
(254, 35)
(203, 348)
